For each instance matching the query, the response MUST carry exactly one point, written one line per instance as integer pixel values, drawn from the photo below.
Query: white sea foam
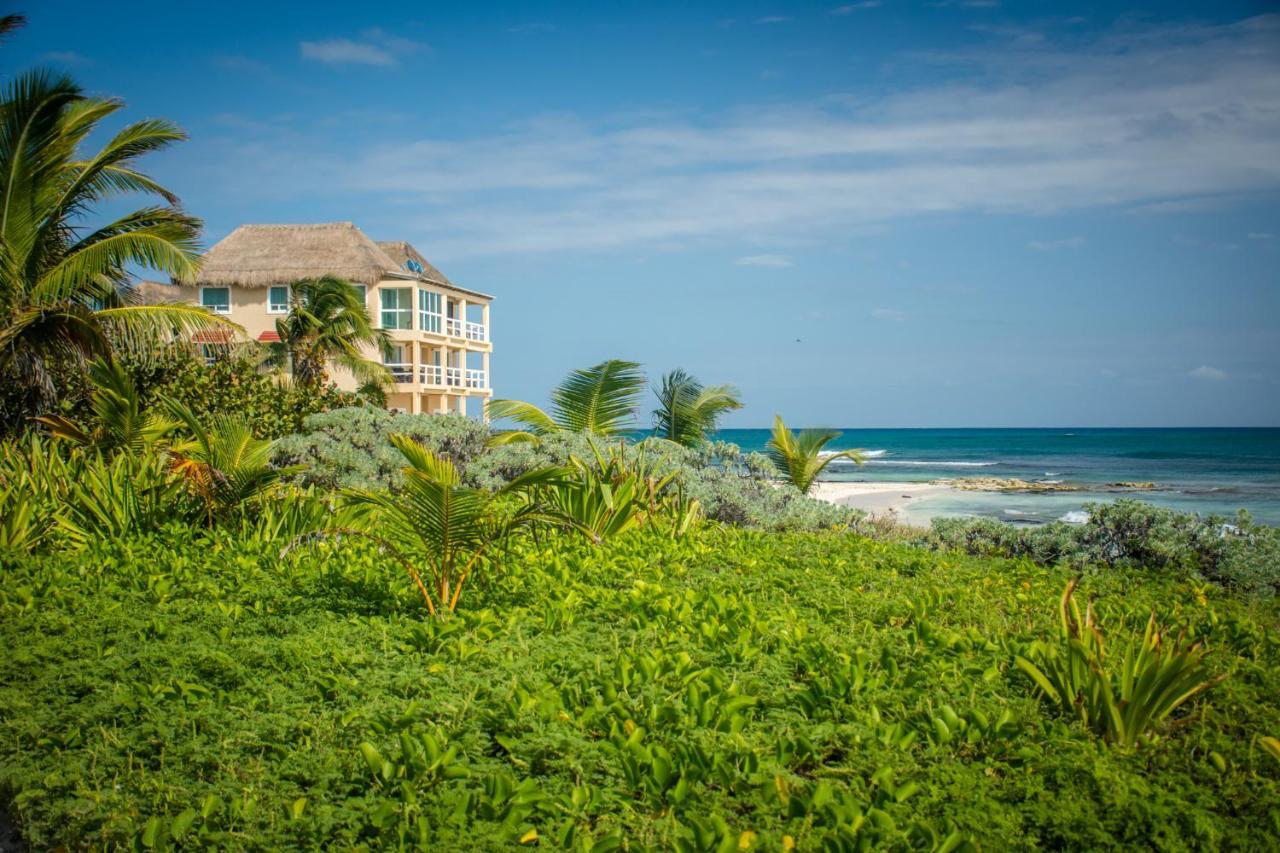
(1052, 473)
(1076, 516)
(865, 454)
(932, 464)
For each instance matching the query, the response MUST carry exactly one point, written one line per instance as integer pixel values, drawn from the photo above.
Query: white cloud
(1054, 245)
(533, 27)
(1210, 374)
(1261, 235)
(764, 261)
(375, 47)
(888, 314)
(1137, 117)
(773, 19)
(66, 57)
(850, 8)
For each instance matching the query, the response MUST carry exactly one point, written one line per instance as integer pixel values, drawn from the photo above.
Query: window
(397, 308)
(428, 310)
(278, 300)
(216, 299)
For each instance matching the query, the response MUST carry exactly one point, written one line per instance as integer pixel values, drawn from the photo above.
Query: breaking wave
(932, 463)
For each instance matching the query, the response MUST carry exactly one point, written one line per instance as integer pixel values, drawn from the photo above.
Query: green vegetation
(326, 325)
(726, 688)
(1153, 679)
(235, 382)
(1126, 534)
(800, 457)
(599, 400)
(60, 281)
(688, 411)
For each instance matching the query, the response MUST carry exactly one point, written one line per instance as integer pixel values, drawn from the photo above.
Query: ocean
(1209, 471)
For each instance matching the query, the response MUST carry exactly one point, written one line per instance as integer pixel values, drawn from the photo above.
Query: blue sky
(867, 214)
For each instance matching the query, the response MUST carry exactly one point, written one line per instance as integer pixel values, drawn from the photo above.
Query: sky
(866, 214)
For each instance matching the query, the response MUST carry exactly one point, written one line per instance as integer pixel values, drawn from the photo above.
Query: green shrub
(234, 383)
(1125, 702)
(1130, 534)
(351, 448)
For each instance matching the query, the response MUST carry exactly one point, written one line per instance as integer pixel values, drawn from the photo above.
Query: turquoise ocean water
(1209, 471)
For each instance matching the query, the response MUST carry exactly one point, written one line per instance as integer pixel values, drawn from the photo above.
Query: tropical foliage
(688, 411)
(600, 400)
(1124, 703)
(234, 382)
(799, 457)
(223, 465)
(727, 690)
(436, 522)
(1127, 534)
(327, 324)
(118, 422)
(61, 280)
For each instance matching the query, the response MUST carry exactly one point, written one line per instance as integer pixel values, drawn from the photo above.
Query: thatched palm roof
(263, 255)
(401, 253)
(159, 293)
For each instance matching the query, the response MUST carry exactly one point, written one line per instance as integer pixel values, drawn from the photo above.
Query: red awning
(269, 337)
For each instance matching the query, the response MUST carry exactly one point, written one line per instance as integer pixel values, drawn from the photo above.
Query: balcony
(439, 376)
(476, 332)
(452, 327)
(431, 374)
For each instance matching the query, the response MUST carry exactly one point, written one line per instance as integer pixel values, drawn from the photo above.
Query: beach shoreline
(883, 499)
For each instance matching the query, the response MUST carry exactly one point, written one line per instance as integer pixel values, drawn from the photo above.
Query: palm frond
(538, 421)
(601, 399)
(139, 327)
(424, 462)
(800, 457)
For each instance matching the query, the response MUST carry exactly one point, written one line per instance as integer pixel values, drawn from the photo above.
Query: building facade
(439, 331)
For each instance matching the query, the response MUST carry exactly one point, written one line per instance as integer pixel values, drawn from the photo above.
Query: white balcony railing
(439, 376)
(431, 374)
(453, 327)
(477, 332)
(400, 372)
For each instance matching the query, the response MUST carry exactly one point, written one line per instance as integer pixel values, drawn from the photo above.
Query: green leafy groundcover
(737, 690)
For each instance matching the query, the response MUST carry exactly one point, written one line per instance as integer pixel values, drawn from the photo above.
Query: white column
(484, 311)
(488, 381)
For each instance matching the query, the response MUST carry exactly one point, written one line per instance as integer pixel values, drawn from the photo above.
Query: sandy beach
(882, 499)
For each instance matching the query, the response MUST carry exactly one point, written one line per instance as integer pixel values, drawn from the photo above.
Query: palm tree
(120, 422)
(60, 280)
(687, 411)
(223, 465)
(599, 400)
(799, 456)
(327, 322)
(436, 521)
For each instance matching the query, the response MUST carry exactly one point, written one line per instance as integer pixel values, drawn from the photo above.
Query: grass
(735, 690)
